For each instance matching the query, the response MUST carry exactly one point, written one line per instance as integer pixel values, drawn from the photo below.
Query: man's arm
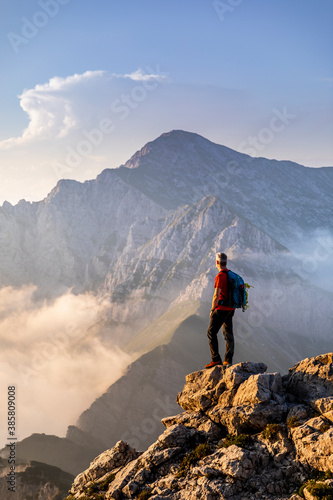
(215, 299)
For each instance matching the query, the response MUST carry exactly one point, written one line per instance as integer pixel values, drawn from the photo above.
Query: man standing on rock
(221, 315)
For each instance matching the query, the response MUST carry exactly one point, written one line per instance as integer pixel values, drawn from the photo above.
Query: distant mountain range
(145, 235)
(84, 231)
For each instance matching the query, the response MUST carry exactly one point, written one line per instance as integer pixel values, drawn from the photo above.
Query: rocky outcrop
(244, 435)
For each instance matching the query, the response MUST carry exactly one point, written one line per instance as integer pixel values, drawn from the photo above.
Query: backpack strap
(223, 302)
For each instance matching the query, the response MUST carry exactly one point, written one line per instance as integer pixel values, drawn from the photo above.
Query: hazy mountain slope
(56, 451)
(184, 249)
(178, 266)
(71, 237)
(35, 480)
(80, 232)
(131, 409)
(162, 330)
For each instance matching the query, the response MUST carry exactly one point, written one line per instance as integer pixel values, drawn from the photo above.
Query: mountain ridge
(73, 223)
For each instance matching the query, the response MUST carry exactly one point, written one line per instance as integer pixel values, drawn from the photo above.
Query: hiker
(221, 315)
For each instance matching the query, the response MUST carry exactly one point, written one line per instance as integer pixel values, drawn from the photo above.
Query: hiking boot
(226, 363)
(213, 363)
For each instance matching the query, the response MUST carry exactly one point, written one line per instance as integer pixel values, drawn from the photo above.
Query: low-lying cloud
(53, 356)
(314, 255)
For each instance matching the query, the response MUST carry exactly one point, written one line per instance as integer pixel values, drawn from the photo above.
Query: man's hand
(211, 312)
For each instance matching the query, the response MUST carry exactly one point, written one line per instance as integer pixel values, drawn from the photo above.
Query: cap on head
(221, 258)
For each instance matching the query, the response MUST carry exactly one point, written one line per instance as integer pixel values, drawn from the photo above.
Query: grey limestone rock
(107, 461)
(192, 459)
(312, 378)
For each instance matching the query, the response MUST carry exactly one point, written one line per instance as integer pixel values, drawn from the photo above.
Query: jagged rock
(233, 461)
(276, 448)
(203, 388)
(169, 444)
(176, 435)
(196, 420)
(247, 418)
(322, 405)
(107, 461)
(312, 378)
(299, 413)
(260, 388)
(190, 460)
(241, 398)
(122, 479)
(314, 444)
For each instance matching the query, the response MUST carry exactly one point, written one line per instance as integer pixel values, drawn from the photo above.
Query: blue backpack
(237, 291)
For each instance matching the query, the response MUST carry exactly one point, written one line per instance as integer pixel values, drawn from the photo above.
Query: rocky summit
(245, 434)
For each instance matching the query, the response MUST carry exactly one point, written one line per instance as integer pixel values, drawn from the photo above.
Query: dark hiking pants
(221, 318)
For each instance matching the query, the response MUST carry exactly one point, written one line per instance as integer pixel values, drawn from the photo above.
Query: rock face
(245, 435)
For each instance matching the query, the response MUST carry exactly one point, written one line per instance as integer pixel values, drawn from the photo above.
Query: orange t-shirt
(221, 281)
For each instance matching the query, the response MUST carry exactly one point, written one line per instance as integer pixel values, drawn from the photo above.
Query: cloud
(140, 75)
(52, 354)
(62, 105)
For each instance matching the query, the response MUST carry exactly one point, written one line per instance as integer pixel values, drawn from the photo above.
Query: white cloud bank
(83, 123)
(55, 108)
(50, 353)
(98, 118)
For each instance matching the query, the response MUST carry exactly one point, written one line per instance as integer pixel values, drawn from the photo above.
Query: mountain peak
(180, 142)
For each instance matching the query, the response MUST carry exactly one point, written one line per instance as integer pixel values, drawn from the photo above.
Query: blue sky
(85, 83)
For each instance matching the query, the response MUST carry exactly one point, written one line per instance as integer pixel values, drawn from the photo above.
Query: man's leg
(213, 328)
(228, 336)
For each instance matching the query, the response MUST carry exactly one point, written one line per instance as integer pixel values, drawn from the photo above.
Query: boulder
(312, 378)
(322, 405)
(260, 388)
(108, 461)
(314, 444)
(233, 461)
(247, 419)
(198, 421)
(203, 388)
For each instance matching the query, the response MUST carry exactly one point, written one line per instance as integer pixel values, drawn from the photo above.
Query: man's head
(221, 260)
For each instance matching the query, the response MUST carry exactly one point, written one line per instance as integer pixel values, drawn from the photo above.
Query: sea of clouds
(51, 354)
